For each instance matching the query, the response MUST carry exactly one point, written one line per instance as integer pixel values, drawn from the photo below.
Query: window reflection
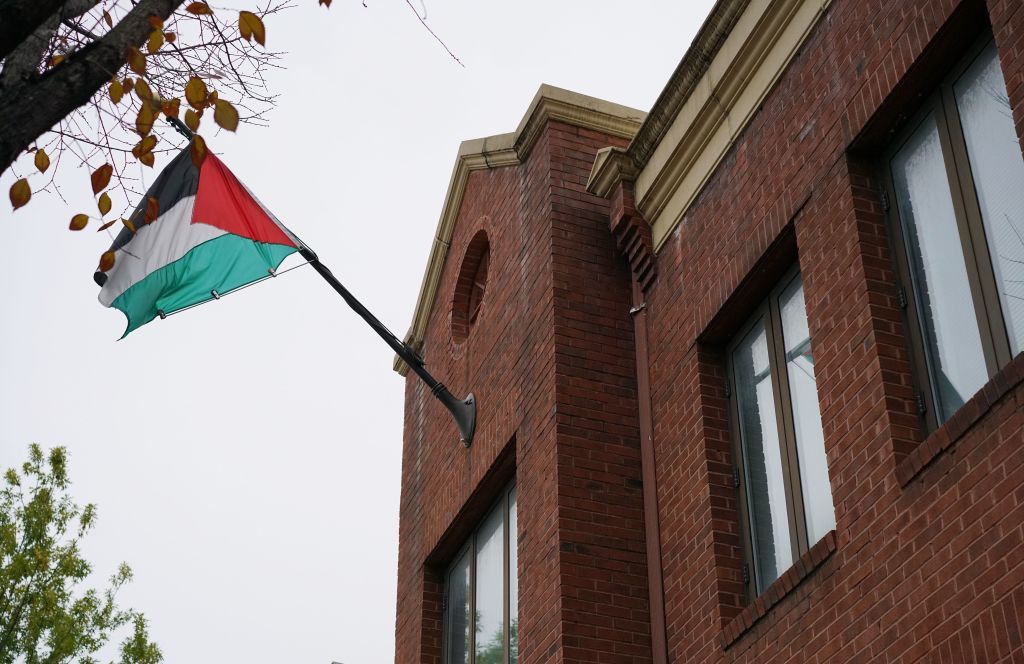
(810, 439)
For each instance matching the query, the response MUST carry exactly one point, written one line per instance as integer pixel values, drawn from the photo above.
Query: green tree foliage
(44, 617)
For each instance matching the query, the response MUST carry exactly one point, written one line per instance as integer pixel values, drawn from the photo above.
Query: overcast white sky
(245, 456)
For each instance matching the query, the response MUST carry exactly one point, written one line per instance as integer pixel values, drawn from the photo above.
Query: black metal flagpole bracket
(463, 410)
(180, 127)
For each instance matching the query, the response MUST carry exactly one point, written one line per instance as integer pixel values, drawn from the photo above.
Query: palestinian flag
(209, 237)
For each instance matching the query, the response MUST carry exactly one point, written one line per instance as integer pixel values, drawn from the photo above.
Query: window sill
(785, 584)
(947, 435)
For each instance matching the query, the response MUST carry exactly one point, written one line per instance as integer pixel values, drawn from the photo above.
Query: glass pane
(762, 461)
(490, 589)
(803, 392)
(939, 274)
(458, 612)
(513, 579)
(998, 170)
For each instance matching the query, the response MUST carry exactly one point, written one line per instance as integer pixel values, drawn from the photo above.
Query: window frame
(769, 311)
(970, 225)
(470, 549)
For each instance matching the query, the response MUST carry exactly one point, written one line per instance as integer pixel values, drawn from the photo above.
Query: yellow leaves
(142, 90)
(129, 225)
(198, 151)
(104, 204)
(251, 27)
(107, 225)
(144, 120)
(171, 107)
(21, 193)
(225, 115)
(107, 261)
(55, 60)
(143, 151)
(128, 84)
(156, 38)
(198, 8)
(155, 41)
(101, 178)
(116, 91)
(152, 210)
(78, 222)
(196, 92)
(42, 160)
(136, 61)
(192, 119)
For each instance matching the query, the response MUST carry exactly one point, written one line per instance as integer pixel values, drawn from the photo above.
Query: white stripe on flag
(167, 239)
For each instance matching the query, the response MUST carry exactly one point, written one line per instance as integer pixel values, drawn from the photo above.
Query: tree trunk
(31, 107)
(20, 18)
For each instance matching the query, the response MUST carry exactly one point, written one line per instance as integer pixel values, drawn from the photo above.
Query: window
(785, 495)
(482, 592)
(956, 182)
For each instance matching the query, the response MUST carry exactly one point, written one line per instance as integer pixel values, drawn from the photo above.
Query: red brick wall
(927, 558)
(927, 561)
(550, 359)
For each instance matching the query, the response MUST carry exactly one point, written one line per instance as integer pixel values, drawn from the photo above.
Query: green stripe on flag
(222, 264)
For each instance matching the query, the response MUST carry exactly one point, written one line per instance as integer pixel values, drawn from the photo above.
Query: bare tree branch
(30, 108)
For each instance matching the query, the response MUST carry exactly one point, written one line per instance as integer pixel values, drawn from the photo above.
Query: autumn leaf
(198, 151)
(101, 178)
(199, 8)
(128, 84)
(116, 91)
(192, 119)
(107, 261)
(128, 224)
(225, 115)
(169, 37)
(212, 98)
(326, 3)
(142, 90)
(42, 160)
(136, 60)
(196, 92)
(106, 19)
(156, 22)
(144, 120)
(55, 60)
(251, 26)
(152, 210)
(21, 193)
(78, 222)
(145, 145)
(171, 108)
(107, 225)
(147, 159)
(104, 204)
(155, 41)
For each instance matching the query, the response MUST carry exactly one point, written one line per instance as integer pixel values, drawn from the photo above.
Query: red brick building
(748, 366)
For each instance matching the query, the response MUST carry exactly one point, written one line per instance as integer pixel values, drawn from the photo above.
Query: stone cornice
(611, 166)
(735, 60)
(688, 73)
(549, 104)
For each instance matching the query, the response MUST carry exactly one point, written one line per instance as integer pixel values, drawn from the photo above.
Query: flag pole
(464, 410)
